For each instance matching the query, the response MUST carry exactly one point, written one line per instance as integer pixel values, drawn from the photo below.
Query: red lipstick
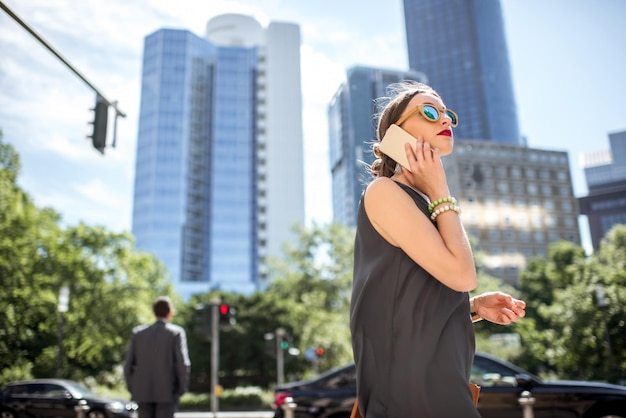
(446, 132)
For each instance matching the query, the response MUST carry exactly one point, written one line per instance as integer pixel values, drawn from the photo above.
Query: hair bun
(376, 150)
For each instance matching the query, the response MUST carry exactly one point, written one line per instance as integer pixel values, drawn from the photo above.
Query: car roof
(35, 381)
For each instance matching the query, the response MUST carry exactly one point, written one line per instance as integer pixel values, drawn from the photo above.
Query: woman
(411, 315)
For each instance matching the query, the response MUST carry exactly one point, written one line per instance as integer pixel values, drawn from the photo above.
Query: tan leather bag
(475, 389)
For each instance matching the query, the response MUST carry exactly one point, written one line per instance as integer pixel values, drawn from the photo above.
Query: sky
(567, 58)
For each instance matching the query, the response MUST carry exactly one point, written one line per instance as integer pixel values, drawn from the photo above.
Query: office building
(605, 173)
(352, 132)
(219, 165)
(515, 202)
(461, 46)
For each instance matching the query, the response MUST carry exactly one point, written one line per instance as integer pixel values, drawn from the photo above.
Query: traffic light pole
(280, 359)
(59, 56)
(99, 143)
(215, 351)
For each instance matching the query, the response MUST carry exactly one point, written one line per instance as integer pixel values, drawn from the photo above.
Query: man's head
(162, 307)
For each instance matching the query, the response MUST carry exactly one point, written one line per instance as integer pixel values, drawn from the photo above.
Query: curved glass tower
(219, 165)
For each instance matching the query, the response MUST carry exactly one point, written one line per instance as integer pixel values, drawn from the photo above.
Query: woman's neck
(400, 178)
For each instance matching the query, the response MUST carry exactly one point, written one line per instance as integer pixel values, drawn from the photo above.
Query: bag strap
(355, 410)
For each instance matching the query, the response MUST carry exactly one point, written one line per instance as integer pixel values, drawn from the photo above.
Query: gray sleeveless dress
(412, 337)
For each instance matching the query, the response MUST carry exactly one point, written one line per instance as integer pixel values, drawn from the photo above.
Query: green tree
(564, 316)
(111, 287)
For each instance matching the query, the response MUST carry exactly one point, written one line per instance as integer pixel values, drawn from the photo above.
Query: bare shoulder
(383, 191)
(380, 186)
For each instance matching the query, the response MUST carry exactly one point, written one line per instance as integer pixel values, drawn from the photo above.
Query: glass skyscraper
(461, 46)
(207, 200)
(352, 132)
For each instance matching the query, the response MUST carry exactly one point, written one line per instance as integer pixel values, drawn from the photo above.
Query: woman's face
(439, 133)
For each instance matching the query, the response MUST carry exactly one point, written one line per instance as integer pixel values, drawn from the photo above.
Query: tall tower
(605, 173)
(219, 177)
(352, 132)
(461, 46)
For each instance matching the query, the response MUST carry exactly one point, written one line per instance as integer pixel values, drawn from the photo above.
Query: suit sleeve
(183, 365)
(129, 364)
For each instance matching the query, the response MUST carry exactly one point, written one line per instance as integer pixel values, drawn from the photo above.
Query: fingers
(519, 307)
(422, 151)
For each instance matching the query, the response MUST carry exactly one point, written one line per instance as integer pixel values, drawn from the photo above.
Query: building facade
(219, 166)
(352, 132)
(461, 46)
(605, 173)
(515, 202)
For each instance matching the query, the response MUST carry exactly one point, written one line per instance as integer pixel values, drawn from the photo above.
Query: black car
(332, 394)
(58, 398)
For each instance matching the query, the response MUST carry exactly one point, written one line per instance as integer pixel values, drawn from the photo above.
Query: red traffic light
(319, 351)
(224, 309)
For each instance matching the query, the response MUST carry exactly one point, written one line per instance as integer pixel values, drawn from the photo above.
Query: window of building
(566, 206)
(522, 220)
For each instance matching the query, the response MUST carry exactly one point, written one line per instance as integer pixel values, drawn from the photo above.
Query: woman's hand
(499, 308)
(426, 173)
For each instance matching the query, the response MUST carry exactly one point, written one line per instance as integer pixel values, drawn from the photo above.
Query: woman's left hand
(499, 308)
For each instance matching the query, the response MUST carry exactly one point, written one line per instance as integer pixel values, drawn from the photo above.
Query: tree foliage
(308, 296)
(111, 288)
(564, 332)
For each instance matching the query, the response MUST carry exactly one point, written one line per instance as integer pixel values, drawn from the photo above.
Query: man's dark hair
(162, 306)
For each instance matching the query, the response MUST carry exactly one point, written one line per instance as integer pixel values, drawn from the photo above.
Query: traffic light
(227, 314)
(100, 120)
(224, 310)
(319, 351)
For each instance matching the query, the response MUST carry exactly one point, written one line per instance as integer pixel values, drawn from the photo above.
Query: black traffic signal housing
(227, 314)
(100, 121)
(201, 321)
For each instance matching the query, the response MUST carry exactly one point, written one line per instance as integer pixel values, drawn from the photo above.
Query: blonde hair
(392, 107)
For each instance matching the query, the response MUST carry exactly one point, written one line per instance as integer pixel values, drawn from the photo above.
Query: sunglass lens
(430, 113)
(453, 117)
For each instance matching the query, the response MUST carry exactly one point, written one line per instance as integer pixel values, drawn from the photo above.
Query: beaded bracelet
(443, 209)
(448, 199)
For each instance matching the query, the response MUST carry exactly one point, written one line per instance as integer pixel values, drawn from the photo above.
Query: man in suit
(157, 364)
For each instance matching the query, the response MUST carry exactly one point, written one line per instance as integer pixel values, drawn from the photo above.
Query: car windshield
(488, 372)
(78, 390)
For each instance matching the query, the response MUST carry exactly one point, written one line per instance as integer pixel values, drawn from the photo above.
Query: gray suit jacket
(157, 363)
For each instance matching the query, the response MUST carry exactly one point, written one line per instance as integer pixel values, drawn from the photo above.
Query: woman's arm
(444, 251)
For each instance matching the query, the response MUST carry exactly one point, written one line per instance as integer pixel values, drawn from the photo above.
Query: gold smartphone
(393, 142)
